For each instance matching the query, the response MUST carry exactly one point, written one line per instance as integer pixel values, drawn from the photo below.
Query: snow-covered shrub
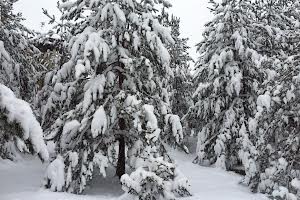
(152, 176)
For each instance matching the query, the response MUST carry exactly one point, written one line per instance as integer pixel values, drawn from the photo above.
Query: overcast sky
(193, 13)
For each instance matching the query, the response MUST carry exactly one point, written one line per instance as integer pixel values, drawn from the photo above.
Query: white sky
(193, 13)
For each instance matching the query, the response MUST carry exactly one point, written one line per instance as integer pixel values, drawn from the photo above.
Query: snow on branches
(113, 92)
(17, 112)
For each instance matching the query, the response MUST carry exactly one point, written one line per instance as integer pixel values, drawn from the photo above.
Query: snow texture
(3, 52)
(206, 183)
(99, 122)
(176, 126)
(264, 101)
(19, 111)
(55, 173)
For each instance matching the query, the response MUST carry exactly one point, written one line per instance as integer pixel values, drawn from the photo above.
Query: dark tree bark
(121, 158)
(121, 138)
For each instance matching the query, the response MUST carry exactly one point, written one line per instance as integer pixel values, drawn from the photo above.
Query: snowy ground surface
(22, 181)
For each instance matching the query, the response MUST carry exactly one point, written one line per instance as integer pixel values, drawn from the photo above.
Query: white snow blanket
(22, 181)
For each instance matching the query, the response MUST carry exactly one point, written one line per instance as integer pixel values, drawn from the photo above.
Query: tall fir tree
(277, 126)
(180, 61)
(227, 79)
(54, 48)
(111, 100)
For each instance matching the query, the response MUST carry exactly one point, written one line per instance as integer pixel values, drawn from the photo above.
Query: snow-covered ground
(213, 184)
(22, 181)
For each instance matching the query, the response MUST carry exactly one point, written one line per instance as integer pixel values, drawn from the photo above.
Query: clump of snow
(73, 158)
(290, 95)
(119, 13)
(130, 102)
(238, 43)
(105, 11)
(283, 193)
(296, 78)
(99, 122)
(145, 183)
(55, 174)
(296, 184)
(236, 83)
(201, 87)
(66, 5)
(95, 44)
(101, 162)
(150, 117)
(70, 126)
(264, 101)
(19, 111)
(176, 126)
(152, 124)
(93, 90)
(79, 69)
(282, 163)
(271, 74)
(111, 77)
(136, 41)
(220, 163)
(69, 130)
(252, 125)
(129, 3)
(3, 52)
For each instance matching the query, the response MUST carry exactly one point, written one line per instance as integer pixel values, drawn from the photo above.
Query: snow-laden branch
(19, 111)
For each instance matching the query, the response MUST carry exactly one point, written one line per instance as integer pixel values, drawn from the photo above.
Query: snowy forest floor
(22, 181)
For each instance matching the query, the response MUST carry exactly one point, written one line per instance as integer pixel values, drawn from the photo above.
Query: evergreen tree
(180, 61)
(19, 130)
(227, 79)
(182, 83)
(278, 124)
(110, 101)
(53, 46)
(18, 67)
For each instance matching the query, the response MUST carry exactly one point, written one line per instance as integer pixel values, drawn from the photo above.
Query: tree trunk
(121, 158)
(121, 138)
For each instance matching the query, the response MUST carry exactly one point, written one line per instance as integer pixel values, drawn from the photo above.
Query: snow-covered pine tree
(180, 61)
(227, 79)
(278, 124)
(19, 130)
(113, 100)
(18, 67)
(54, 54)
(53, 44)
